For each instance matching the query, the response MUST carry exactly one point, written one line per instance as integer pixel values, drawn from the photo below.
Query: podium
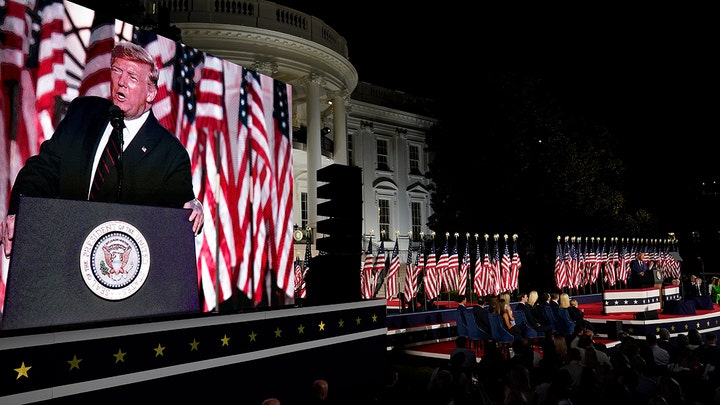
(79, 262)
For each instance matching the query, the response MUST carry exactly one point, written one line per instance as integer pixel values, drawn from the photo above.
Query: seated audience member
(502, 308)
(578, 316)
(526, 308)
(271, 401)
(539, 310)
(480, 313)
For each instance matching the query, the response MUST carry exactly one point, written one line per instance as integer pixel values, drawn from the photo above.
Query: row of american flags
(581, 262)
(431, 271)
(233, 121)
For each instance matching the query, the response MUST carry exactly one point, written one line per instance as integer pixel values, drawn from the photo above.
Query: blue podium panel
(78, 262)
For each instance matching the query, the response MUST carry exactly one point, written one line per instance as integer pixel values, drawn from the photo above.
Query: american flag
(96, 72)
(300, 285)
(410, 285)
(391, 289)
(282, 168)
(442, 267)
(43, 64)
(464, 270)
(608, 264)
(379, 267)
(431, 280)
(506, 275)
(624, 266)
(51, 77)
(366, 284)
(479, 276)
(497, 269)
(253, 133)
(213, 179)
(515, 266)
(488, 271)
(299, 282)
(419, 267)
(452, 272)
(560, 271)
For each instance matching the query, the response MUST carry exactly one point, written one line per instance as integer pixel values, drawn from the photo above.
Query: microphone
(116, 120)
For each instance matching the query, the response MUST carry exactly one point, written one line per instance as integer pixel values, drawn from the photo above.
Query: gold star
(672, 328)
(341, 323)
(225, 341)
(119, 356)
(74, 363)
(194, 345)
(657, 329)
(301, 329)
(252, 336)
(374, 318)
(278, 332)
(22, 371)
(159, 350)
(357, 321)
(322, 325)
(631, 330)
(687, 326)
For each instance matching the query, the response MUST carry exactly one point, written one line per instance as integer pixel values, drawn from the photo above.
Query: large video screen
(234, 122)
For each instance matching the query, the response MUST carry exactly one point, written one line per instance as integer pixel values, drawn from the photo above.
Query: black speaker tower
(334, 274)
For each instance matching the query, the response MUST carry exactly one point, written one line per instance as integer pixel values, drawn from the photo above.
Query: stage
(423, 332)
(243, 358)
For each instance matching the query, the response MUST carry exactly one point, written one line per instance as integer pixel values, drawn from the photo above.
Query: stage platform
(241, 357)
(427, 332)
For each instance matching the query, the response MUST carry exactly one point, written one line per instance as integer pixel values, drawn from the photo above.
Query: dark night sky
(651, 76)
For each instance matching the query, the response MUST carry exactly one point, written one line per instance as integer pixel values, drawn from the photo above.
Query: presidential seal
(114, 260)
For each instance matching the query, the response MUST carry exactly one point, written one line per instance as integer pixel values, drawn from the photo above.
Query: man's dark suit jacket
(156, 170)
(481, 317)
(532, 321)
(637, 267)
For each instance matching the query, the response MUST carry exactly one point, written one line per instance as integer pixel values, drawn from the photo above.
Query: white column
(340, 150)
(314, 146)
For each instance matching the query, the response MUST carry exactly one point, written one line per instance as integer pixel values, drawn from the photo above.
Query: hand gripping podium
(79, 262)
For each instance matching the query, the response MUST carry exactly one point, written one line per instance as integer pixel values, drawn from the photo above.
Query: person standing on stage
(638, 267)
(155, 164)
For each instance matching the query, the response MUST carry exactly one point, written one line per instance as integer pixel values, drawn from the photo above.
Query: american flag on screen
(211, 163)
(229, 165)
(33, 80)
(391, 289)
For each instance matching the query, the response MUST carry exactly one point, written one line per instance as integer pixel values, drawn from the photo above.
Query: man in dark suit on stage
(480, 313)
(154, 169)
(638, 267)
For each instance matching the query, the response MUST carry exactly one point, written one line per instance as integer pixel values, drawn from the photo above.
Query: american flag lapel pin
(144, 149)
